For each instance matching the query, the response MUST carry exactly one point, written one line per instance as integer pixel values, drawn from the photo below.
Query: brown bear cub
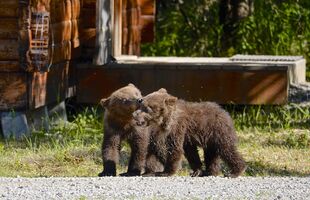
(118, 126)
(178, 127)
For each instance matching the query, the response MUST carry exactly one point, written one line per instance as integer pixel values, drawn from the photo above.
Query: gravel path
(156, 188)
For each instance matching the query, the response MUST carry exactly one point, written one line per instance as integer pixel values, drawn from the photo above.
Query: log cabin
(51, 50)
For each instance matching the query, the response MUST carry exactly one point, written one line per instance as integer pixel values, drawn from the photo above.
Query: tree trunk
(231, 13)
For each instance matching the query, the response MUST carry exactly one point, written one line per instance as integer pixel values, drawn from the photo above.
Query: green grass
(270, 118)
(274, 141)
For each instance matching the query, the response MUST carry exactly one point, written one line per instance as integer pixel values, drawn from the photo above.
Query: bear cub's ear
(171, 101)
(131, 85)
(104, 102)
(162, 90)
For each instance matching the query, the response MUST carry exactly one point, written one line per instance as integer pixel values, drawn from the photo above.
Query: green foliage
(84, 128)
(187, 28)
(278, 29)
(84, 131)
(67, 149)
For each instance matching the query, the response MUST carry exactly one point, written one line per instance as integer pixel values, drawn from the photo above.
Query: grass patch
(272, 154)
(270, 118)
(273, 140)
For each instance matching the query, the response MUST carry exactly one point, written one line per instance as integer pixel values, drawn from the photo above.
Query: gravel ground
(156, 188)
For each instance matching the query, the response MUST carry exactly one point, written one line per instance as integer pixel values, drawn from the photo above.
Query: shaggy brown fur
(119, 125)
(179, 127)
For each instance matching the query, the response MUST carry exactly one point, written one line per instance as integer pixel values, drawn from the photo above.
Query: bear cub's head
(155, 108)
(122, 102)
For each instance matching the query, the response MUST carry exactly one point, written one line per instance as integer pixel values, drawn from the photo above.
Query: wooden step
(194, 79)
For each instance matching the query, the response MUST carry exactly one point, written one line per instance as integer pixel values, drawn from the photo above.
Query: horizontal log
(88, 37)
(9, 8)
(60, 32)
(9, 28)
(9, 11)
(146, 19)
(11, 2)
(49, 87)
(10, 66)
(13, 91)
(9, 50)
(87, 33)
(61, 10)
(147, 7)
(76, 9)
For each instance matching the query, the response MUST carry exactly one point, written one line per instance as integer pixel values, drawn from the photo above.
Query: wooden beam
(10, 66)
(9, 8)
(24, 35)
(117, 28)
(9, 28)
(219, 83)
(9, 50)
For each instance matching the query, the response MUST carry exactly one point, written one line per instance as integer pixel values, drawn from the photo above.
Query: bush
(192, 28)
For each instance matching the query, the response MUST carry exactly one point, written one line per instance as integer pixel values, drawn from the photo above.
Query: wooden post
(117, 28)
(103, 36)
(24, 34)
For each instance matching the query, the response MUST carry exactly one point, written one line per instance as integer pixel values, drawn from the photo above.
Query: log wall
(13, 90)
(64, 51)
(138, 18)
(21, 87)
(13, 80)
(70, 31)
(147, 21)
